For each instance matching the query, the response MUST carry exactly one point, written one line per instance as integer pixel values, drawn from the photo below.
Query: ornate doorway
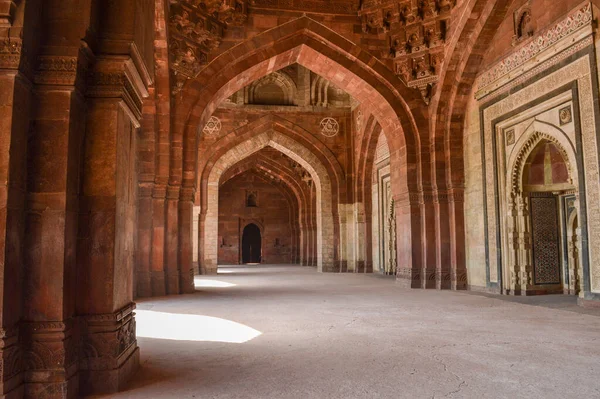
(251, 244)
(543, 245)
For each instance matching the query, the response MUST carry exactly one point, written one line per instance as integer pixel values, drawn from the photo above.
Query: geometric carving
(212, 127)
(544, 226)
(329, 127)
(565, 115)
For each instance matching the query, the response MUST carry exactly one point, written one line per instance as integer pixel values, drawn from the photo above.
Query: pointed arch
(300, 154)
(316, 47)
(533, 135)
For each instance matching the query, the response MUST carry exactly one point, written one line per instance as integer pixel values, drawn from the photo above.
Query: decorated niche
(416, 32)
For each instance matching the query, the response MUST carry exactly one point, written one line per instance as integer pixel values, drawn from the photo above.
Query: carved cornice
(115, 78)
(537, 50)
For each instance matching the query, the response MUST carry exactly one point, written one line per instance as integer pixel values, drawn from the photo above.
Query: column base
(110, 353)
(408, 278)
(429, 279)
(110, 381)
(53, 390)
(443, 280)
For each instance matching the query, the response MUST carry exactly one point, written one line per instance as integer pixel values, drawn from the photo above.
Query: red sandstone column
(409, 240)
(442, 238)
(428, 232)
(158, 282)
(186, 215)
(146, 163)
(15, 99)
(54, 154)
(108, 225)
(171, 240)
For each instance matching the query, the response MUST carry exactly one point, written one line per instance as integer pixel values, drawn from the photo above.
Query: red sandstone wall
(273, 212)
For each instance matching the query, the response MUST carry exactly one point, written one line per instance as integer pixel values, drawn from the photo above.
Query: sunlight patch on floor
(191, 327)
(204, 283)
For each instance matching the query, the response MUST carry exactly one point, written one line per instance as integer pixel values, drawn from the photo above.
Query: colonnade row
(96, 204)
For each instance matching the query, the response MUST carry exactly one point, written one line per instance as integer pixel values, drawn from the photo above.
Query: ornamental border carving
(574, 22)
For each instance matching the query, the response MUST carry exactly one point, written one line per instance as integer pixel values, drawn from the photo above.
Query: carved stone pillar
(158, 279)
(15, 104)
(108, 225)
(409, 240)
(185, 217)
(171, 240)
(523, 267)
(53, 168)
(442, 239)
(392, 265)
(146, 176)
(513, 244)
(428, 232)
(143, 258)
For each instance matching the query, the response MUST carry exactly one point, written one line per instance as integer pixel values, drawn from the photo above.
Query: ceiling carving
(416, 32)
(197, 27)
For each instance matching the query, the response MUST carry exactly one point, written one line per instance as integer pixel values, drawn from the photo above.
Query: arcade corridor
(294, 333)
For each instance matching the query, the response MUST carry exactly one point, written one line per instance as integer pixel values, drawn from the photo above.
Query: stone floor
(289, 332)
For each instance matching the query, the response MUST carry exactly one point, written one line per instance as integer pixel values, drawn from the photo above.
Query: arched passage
(316, 47)
(541, 175)
(300, 154)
